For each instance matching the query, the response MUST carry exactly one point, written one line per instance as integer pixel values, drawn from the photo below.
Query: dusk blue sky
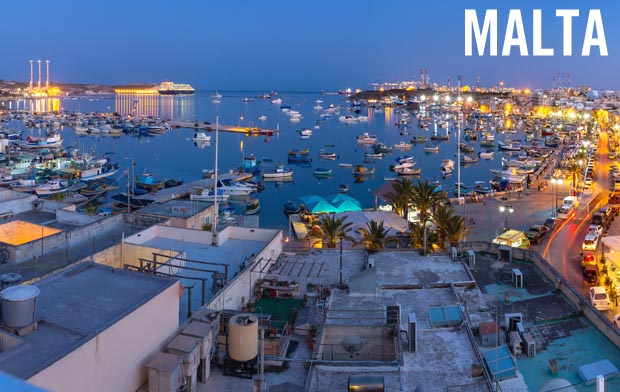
(290, 45)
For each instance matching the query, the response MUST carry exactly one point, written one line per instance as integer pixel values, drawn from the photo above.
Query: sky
(294, 45)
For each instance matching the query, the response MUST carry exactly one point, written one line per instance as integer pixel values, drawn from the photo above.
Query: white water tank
(243, 337)
(19, 305)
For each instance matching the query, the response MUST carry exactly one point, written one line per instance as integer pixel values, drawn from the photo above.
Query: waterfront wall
(242, 284)
(15, 202)
(575, 297)
(72, 217)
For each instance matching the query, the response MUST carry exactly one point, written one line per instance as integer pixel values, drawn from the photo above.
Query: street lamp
(130, 184)
(506, 210)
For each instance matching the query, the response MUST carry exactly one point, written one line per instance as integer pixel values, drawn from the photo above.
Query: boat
(217, 97)
(509, 146)
(291, 207)
(342, 164)
(382, 148)
(402, 145)
(343, 188)
(322, 172)
(208, 195)
(373, 155)
(362, 171)
(234, 189)
(486, 155)
(50, 187)
(201, 137)
(248, 99)
(418, 139)
(408, 171)
(367, 138)
(170, 88)
(446, 166)
(276, 101)
(32, 142)
(468, 159)
(148, 182)
(389, 178)
(249, 163)
(466, 148)
(253, 207)
(262, 117)
(431, 148)
(327, 155)
(279, 172)
(297, 151)
(440, 137)
(305, 132)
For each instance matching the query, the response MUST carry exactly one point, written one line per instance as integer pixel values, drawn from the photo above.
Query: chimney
(47, 76)
(39, 84)
(30, 75)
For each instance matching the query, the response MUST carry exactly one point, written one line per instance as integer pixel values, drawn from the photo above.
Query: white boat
(431, 148)
(366, 138)
(402, 145)
(468, 159)
(262, 117)
(279, 172)
(234, 189)
(486, 155)
(32, 142)
(306, 132)
(348, 119)
(446, 166)
(50, 187)
(201, 137)
(208, 195)
(217, 97)
(276, 101)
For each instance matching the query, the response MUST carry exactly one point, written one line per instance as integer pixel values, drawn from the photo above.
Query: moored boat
(367, 138)
(322, 172)
(279, 172)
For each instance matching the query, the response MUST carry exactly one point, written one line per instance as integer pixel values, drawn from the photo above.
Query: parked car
(590, 242)
(596, 230)
(614, 198)
(536, 233)
(599, 219)
(590, 275)
(587, 258)
(599, 298)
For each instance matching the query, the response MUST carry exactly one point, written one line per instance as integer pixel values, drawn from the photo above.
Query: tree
(574, 169)
(425, 198)
(442, 217)
(400, 198)
(373, 235)
(330, 230)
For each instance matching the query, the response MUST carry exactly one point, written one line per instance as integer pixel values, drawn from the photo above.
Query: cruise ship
(170, 88)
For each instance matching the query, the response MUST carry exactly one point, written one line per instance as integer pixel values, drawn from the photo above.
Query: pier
(207, 126)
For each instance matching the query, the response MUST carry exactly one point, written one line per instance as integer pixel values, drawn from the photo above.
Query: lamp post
(553, 181)
(130, 185)
(506, 210)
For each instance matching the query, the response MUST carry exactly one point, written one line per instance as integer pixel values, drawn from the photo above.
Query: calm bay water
(174, 155)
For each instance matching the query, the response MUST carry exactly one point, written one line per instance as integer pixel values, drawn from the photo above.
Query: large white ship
(170, 88)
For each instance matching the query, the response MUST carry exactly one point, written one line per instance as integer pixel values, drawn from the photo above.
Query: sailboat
(217, 97)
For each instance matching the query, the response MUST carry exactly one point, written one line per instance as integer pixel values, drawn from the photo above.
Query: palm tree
(451, 227)
(425, 198)
(373, 236)
(330, 230)
(400, 199)
(574, 169)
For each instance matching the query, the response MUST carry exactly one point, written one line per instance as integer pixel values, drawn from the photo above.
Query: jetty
(207, 126)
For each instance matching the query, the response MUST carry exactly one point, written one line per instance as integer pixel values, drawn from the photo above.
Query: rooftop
(175, 208)
(72, 308)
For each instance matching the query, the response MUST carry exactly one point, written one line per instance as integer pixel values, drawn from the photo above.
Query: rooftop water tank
(243, 337)
(19, 305)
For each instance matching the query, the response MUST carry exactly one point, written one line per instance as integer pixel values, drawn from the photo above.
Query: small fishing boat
(342, 164)
(50, 187)
(209, 195)
(148, 182)
(486, 155)
(446, 166)
(305, 133)
(468, 159)
(327, 155)
(466, 148)
(343, 188)
(290, 207)
(389, 178)
(382, 148)
(253, 207)
(402, 145)
(298, 152)
(373, 155)
(171, 183)
(418, 139)
(279, 172)
(408, 171)
(322, 172)
(440, 137)
(431, 148)
(362, 171)
(367, 138)
(262, 117)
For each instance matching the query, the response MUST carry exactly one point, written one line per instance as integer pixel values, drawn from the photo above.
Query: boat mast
(216, 212)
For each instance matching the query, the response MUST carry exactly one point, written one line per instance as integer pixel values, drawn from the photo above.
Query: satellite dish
(352, 344)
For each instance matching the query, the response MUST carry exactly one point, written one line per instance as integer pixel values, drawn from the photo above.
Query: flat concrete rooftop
(175, 208)
(74, 307)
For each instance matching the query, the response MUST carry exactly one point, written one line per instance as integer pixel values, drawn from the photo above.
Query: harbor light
(423, 97)
(506, 210)
(447, 98)
(435, 98)
(469, 99)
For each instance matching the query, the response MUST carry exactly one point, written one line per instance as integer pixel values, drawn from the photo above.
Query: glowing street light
(506, 210)
(469, 99)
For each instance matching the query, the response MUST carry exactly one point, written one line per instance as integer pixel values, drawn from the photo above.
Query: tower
(39, 84)
(30, 76)
(47, 75)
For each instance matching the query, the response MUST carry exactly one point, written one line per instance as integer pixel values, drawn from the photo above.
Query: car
(587, 259)
(596, 230)
(590, 242)
(606, 211)
(550, 223)
(599, 298)
(617, 320)
(598, 219)
(614, 198)
(536, 233)
(590, 275)
(588, 181)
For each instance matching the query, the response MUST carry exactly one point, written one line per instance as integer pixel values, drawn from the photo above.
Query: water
(174, 155)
